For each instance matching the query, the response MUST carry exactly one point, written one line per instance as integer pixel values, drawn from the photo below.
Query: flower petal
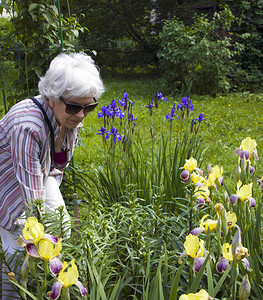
(222, 265)
(51, 238)
(56, 289)
(197, 231)
(21, 242)
(198, 262)
(191, 245)
(81, 287)
(55, 265)
(32, 250)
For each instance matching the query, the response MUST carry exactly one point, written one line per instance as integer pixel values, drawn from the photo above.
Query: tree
(36, 38)
(124, 32)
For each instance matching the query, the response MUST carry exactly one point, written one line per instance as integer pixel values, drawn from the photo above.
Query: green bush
(198, 58)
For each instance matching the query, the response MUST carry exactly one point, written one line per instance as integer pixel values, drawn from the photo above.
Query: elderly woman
(37, 140)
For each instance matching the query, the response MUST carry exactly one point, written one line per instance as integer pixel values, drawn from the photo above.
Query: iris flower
(195, 249)
(171, 115)
(66, 279)
(200, 118)
(216, 173)
(32, 233)
(160, 96)
(201, 295)
(124, 101)
(190, 164)
(102, 131)
(150, 106)
(247, 149)
(185, 104)
(240, 254)
(236, 250)
(115, 134)
(39, 245)
(244, 192)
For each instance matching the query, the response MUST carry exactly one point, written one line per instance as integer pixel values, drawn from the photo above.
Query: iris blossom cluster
(112, 111)
(47, 247)
(247, 149)
(193, 175)
(209, 225)
(185, 105)
(247, 155)
(235, 251)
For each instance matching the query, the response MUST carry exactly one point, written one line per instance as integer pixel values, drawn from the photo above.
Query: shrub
(198, 58)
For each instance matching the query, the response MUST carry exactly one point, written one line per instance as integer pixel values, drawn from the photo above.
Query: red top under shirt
(60, 157)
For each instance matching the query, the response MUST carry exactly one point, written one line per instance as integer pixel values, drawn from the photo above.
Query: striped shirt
(25, 158)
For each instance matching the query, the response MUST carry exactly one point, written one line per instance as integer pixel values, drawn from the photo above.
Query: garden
(164, 189)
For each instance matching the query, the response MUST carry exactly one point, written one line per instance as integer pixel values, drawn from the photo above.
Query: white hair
(72, 76)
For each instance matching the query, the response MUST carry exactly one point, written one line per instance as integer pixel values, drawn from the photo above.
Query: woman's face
(70, 120)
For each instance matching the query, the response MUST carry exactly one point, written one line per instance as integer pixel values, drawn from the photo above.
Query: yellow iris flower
(231, 219)
(193, 246)
(33, 230)
(190, 164)
(227, 251)
(211, 224)
(70, 277)
(196, 178)
(48, 250)
(244, 192)
(248, 144)
(201, 295)
(202, 192)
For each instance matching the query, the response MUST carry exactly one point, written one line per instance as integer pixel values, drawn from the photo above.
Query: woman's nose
(80, 114)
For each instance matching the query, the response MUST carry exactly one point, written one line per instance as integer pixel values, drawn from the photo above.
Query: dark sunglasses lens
(90, 108)
(73, 109)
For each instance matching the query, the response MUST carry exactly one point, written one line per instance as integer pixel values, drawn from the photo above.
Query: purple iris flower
(115, 134)
(185, 104)
(171, 115)
(102, 131)
(119, 113)
(103, 112)
(132, 119)
(150, 106)
(200, 118)
(125, 101)
(160, 96)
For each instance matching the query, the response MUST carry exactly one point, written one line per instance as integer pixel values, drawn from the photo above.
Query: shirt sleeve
(25, 150)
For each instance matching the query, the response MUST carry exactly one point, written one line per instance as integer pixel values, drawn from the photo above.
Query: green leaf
(32, 6)
(210, 281)
(221, 281)
(24, 290)
(173, 295)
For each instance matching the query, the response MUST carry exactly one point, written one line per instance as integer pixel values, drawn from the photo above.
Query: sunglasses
(73, 109)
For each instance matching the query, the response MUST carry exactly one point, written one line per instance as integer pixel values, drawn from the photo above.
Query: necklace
(60, 142)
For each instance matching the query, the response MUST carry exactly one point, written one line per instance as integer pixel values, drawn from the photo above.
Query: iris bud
(251, 169)
(244, 289)
(252, 202)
